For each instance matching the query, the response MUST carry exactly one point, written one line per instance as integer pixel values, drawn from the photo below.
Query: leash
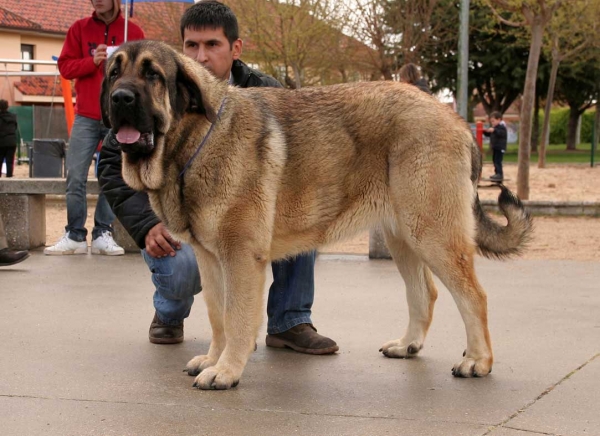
(189, 162)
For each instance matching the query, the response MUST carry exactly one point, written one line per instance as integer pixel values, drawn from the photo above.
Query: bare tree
(295, 40)
(571, 29)
(398, 31)
(367, 23)
(415, 21)
(536, 14)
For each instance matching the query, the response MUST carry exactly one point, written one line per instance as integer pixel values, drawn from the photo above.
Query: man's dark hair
(213, 15)
(496, 115)
(3, 105)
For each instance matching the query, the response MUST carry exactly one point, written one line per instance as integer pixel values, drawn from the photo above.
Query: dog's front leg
(213, 293)
(244, 277)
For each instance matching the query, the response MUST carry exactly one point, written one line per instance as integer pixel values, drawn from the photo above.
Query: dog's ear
(104, 101)
(191, 95)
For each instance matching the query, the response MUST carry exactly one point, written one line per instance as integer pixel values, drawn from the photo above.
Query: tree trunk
(537, 32)
(535, 130)
(546, 127)
(387, 73)
(572, 128)
(297, 76)
(596, 139)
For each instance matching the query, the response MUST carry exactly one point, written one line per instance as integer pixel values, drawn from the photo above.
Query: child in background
(497, 134)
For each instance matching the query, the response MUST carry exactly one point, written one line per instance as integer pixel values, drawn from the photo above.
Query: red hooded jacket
(76, 59)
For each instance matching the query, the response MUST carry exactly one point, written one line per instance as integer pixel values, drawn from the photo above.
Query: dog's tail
(494, 240)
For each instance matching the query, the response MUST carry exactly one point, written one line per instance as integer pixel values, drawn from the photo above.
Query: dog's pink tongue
(128, 135)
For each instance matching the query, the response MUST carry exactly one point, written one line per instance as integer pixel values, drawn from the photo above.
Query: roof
(55, 16)
(43, 86)
(10, 19)
(158, 20)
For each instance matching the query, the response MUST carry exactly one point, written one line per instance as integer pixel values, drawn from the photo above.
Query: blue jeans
(292, 292)
(177, 280)
(85, 135)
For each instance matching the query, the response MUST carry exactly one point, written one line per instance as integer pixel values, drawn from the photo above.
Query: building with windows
(36, 31)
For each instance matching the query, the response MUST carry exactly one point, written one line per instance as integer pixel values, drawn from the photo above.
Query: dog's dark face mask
(144, 87)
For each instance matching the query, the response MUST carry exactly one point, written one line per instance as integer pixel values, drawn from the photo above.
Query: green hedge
(559, 122)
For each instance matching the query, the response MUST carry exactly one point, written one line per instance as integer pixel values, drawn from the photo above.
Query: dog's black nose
(123, 97)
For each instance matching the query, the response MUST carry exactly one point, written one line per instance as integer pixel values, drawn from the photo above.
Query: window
(27, 54)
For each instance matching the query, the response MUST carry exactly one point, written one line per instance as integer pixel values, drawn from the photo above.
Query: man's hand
(100, 54)
(159, 242)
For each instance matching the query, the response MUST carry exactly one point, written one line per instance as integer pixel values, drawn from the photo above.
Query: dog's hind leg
(454, 265)
(244, 271)
(212, 291)
(421, 294)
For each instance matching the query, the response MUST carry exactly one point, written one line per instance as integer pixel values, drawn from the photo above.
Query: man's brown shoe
(161, 333)
(304, 339)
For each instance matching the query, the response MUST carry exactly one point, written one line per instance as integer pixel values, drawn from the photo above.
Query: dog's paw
(470, 367)
(216, 378)
(400, 348)
(198, 364)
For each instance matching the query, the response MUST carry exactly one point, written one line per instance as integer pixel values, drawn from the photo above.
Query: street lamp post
(463, 61)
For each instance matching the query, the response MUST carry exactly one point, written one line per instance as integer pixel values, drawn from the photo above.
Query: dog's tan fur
(287, 171)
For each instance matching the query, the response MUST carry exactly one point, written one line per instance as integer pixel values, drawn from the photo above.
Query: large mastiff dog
(248, 176)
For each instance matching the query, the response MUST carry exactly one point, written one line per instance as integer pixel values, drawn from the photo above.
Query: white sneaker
(67, 246)
(105, 244)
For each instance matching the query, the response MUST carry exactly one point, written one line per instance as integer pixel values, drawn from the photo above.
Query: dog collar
(189, 162)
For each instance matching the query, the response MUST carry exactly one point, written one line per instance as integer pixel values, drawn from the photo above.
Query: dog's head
(147, 88)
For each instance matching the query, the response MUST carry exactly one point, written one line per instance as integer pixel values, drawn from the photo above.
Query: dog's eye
(114, 73)
(152, 75)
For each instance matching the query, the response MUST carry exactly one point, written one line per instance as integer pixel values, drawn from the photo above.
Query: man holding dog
(210, 35)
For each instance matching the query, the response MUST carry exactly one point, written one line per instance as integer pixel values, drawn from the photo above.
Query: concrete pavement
(75, 359)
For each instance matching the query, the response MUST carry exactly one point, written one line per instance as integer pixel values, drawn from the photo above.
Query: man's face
(494, 121)
(102, 7)
(211, 49)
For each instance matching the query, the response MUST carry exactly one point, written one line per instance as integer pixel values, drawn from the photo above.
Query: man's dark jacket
(132, 208)
(8, 129)
(498, 137)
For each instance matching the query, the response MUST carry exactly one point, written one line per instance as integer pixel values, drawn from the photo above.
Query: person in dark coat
(8, 146)
(8, 137)
(209, 31)
(498, 137)
(409, 73)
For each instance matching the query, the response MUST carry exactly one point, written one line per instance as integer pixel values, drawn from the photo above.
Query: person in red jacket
(88, 44)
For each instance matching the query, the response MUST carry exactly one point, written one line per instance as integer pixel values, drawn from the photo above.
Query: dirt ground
(560, 238)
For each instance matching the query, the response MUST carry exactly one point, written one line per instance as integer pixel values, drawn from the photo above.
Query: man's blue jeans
(177, 280)
(292, 293)
(85, 135)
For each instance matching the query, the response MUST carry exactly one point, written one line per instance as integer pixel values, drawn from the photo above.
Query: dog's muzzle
(124, 106)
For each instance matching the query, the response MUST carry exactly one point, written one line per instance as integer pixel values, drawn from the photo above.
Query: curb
(536, 208)
(552, 208)
(378, 249)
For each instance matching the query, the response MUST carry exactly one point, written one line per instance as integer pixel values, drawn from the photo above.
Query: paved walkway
(75, 357)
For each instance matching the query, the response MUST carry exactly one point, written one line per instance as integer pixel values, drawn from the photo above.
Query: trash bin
(47, 158)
